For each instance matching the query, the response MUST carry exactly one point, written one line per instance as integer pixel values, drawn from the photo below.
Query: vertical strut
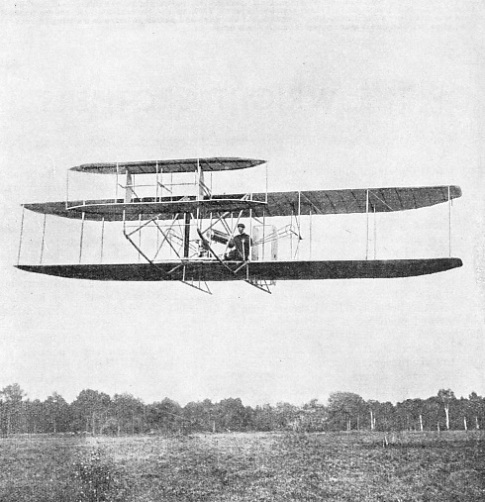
(449, 221)
(375, 233)
(186, 234)
(157, 186)
(102, 241)
(128, 187)
(81, 238)
(367, 224)
(139, 234)
(310, 233)
(67, 188)
(117, 180)
(158, 236)
(291, 234)
(264, 236)
(21, 234)
(250, 234)
(43, 240)
(299, 227)
(266, 182)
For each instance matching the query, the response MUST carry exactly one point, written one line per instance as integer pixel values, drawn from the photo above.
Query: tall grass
(246, 467)
(97, 477)
(36, 468)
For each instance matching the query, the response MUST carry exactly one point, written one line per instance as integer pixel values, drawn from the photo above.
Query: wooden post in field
(371, 421)
(477, 425)
(421, 422)
(464, 423)
(438, 426)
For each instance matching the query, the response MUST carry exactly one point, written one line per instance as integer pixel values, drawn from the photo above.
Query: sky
(339, 95)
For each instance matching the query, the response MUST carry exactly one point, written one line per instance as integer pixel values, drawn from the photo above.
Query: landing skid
(261, 284)
(199, 284)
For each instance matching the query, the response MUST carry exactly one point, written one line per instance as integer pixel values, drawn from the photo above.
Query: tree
(35, 416)
(56, 412)
(446, 396)
(11, 403)
(312, 417)
(264, 418)
(90, 410)
(231, 415)
(477, 409)
(433, 412)
(128, 413)
(286, 415)
(373, 407)
(165, 416)
(346, 411)
(199, 416)
(410, 414)
(386, 413)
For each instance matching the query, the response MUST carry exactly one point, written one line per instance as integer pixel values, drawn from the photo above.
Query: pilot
(239, 246)
(203, 248)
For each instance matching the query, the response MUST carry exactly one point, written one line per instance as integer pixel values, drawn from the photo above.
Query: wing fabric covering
(316, 202)
(347, 201)
(169, 166)
(281, 270)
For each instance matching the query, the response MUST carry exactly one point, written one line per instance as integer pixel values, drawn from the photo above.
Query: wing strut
(21, 235)
(43, 240)
(186, 234)
(367, 224)
(450, 205)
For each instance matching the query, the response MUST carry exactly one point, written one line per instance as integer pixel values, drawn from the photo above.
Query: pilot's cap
(241, 225)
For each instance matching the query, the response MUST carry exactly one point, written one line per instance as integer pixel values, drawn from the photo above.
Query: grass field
(246, 467)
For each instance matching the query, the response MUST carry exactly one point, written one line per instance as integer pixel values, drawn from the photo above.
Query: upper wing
(169, 166)
(346, 201)
(317, 202)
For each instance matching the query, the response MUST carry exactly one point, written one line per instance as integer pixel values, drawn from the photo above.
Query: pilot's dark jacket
(240, 247)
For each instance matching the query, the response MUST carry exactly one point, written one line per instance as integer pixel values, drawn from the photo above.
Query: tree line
(94, 412)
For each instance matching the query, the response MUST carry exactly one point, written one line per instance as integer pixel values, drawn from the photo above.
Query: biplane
(195, 227)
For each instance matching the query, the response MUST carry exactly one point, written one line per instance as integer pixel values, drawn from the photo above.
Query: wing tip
(455, 262)
(457, 190)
